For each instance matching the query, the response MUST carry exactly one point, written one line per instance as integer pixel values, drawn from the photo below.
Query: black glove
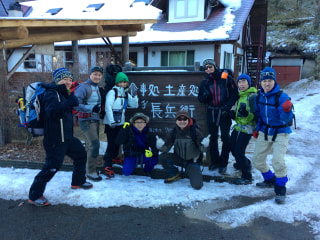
(242, 111)
(232, 114)
(72, 101)
(96, 108)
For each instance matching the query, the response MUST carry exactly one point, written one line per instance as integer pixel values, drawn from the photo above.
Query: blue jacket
(271, 115)
(55, 130)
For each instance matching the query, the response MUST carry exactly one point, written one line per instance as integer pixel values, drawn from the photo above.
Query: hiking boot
(117, 160)
(242, 181)
(222, 170)
(108, 172)
(213, 167)
(280, 199)
(94, 177)
(40, 202)
(86, 186)
(267, 183)
(173, 179)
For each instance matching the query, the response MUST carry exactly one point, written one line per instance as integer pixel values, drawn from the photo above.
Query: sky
(303, 187)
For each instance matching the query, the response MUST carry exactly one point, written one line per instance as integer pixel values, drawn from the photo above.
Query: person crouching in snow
(139, 145)
(272, 131)
(189, 146)
(58, 138)
(243, 129)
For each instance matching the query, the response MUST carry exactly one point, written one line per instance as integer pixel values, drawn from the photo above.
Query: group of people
(265, 115)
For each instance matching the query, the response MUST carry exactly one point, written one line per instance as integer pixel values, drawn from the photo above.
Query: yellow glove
(148, 153)
(126, 124)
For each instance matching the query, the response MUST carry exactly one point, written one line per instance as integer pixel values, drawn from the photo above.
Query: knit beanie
(245, 76)
(137, 116)
(209, 61)
(121, 77)
(95, 69)
(182, 113)
(60, 74)
(268, 73)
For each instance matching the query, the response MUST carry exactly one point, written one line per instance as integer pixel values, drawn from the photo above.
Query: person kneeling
(188, 147)
(139, 145)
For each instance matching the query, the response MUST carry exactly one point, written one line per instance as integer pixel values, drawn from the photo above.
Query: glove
(287, 105)
(96, 108)
(148, 153)
(159, 143)
(232, 114)
(205, 142)
(255, 134)
(126, 124)
(72, 100)
(242, 111)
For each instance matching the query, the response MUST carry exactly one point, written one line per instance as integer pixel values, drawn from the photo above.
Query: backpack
(32, 112)
(276, 104)
(110, 76)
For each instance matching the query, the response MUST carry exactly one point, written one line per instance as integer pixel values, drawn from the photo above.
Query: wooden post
(75, 59)
(125, 49)
(4, 103)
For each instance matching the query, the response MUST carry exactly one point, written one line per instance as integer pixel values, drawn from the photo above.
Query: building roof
(49, 21)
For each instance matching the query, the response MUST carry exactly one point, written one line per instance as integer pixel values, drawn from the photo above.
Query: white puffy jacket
(116, 103)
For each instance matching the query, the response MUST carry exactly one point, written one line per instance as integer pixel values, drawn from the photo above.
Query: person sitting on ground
(58, 138)
(189, 146)
(139, 145)
(244, 127)
(272, 133)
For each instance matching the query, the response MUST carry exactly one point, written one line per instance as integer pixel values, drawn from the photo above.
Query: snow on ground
(303, 188)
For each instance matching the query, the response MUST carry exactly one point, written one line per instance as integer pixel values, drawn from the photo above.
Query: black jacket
(58, 124)
(218, 92)
(131, 148)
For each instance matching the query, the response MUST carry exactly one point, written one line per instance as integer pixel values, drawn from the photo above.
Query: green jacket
(246, 123)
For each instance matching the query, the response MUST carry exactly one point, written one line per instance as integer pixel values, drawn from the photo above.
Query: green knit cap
(121, 77)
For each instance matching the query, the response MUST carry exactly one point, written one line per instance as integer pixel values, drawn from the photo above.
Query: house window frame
(227, 60)
(166, 58)
(186, 5)
(30, 62)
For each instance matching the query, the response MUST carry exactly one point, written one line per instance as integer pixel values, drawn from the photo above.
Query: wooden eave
(21, 32)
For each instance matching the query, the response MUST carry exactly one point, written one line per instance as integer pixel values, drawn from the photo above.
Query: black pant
(224, 123)
(54, 158)
(239, 143)
(112, 148)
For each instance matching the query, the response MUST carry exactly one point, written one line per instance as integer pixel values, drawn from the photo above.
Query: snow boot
(280, 194)
(267, 183)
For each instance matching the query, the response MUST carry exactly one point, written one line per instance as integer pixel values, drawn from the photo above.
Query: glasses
(182, 119)
(208, 66)
(139, 123)
(266, 74)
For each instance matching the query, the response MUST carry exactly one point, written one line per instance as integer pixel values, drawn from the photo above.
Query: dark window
(177, 58)
(96, 7)
(30, 62)
(54, 11)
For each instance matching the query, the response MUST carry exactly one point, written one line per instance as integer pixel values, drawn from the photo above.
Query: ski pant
(169, 160)
(112, 148)
(278, 147)
(239, 142)
(90, 129)
(54, 158)
(130, 164)
(224, 124)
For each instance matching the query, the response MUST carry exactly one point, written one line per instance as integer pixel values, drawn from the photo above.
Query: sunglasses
(182, 119)
(266, 74)
(208, 66)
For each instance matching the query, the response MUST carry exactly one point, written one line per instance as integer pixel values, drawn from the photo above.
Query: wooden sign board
(163, 94)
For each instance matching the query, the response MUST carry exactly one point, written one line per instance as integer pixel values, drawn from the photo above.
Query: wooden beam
(7, 22)
(14, 33)
(60, 37)
(127, 27)
(91, 29)
(25, 55)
